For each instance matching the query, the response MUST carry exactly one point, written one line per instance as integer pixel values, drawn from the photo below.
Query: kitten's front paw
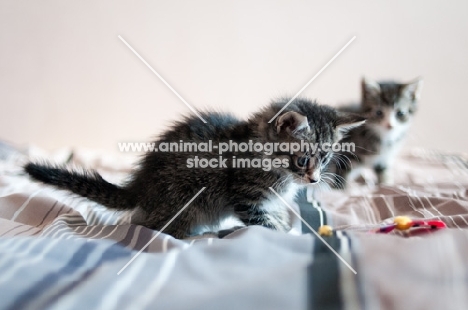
(385, 179)
(384, 174)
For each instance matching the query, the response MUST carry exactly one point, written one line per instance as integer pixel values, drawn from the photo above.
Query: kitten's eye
(400, 114)
(379, 113)
(302, 161)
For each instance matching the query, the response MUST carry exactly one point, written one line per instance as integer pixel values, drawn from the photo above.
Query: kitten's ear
(413, 89)
(346, 121)
(291, 122)
(370, 88)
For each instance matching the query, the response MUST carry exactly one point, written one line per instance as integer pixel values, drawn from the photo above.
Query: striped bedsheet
(59, 251)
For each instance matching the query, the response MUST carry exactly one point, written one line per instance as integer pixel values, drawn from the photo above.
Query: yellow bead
(402, 222)
(325, 230)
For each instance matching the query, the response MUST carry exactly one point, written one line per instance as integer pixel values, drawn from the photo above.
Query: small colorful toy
(405, 223)
(400, 223)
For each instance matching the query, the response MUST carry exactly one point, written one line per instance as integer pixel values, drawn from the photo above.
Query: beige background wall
(67, 80)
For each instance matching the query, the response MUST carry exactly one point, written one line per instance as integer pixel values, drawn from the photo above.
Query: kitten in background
(389, 108)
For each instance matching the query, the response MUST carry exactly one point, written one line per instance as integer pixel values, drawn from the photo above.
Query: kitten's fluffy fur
(389, 109)
(162, 184)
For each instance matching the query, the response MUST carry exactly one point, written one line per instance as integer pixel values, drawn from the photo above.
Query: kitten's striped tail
(88, 184)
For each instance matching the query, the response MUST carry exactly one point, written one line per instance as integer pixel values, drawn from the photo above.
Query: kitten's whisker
(322, 183)
(326, 185)
(336, 162)
(348, 152)
(327, 178)
(336, 179)
(339, 160)
(344, 157)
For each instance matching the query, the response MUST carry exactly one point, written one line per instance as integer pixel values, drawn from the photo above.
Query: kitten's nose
(313, 181)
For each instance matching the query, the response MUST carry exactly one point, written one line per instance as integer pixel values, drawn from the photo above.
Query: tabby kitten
(389, 109)
(162, 183)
